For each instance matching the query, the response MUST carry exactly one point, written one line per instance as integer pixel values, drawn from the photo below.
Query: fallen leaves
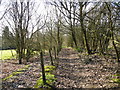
(87, 72)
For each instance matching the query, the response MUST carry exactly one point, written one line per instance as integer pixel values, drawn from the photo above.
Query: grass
(50, 78)
(116, 80)
(7, 54)
(49, 68)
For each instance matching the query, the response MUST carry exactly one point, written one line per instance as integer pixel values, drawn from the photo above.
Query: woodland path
(84, 71)
(73, 72)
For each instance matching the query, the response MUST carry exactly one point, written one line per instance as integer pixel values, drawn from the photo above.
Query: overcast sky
(42, 9)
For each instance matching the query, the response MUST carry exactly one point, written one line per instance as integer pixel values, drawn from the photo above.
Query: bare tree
(68, 9)
(111, 25)
(20, 19)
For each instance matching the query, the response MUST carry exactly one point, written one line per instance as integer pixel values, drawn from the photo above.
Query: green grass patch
(7, 54)
(50, 78)
(21, 70)
(116, 80)
(15, 73)
(49, 68)
(11, 54)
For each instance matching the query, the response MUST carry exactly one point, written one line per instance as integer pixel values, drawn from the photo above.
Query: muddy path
(84, 71)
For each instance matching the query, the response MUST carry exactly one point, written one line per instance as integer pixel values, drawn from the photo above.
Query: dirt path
(72, 72)
(84, 71)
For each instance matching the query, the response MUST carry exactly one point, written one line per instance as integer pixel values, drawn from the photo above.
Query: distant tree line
(7, 39)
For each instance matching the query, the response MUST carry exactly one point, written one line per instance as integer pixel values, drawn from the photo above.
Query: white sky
(40, 10)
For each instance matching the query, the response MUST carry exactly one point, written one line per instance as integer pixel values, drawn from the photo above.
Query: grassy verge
(11, 54)
(7, 54)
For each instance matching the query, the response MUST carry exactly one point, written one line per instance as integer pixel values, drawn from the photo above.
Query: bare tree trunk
(112, 31)
(100, 47)
(74, 38)
(83, 29)
(51, 58)
(42, 66)
(20, 58)
(74, 25)
(117, 53)
(55, 55)
(85, 38)
(58, 39)
(27, 55)
(12, 53)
